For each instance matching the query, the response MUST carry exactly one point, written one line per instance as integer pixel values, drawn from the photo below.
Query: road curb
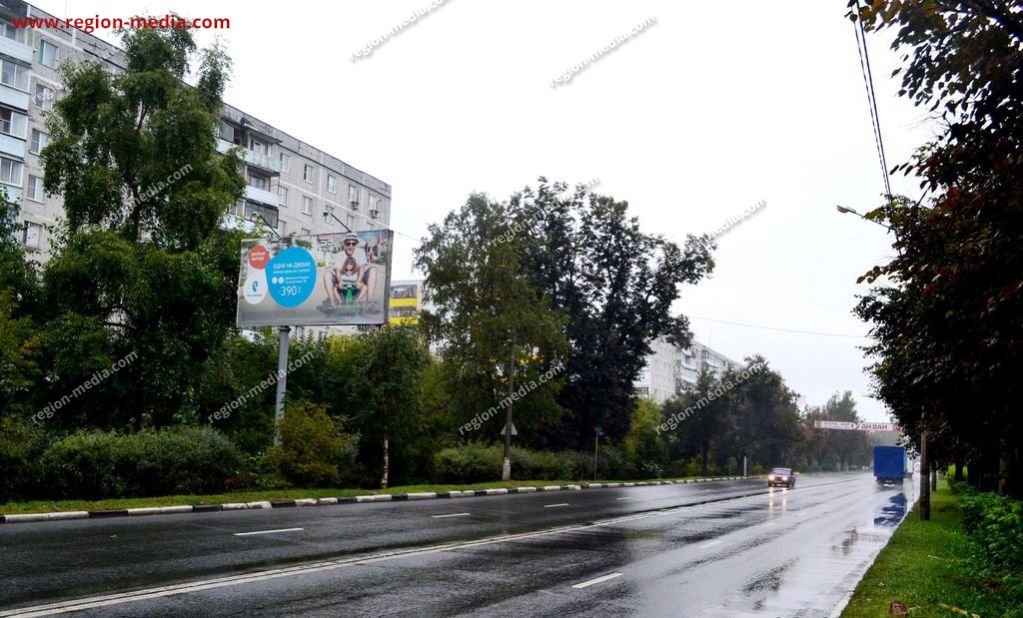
(306, 502)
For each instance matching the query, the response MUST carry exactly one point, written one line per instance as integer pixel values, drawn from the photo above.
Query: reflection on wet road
(778, 552)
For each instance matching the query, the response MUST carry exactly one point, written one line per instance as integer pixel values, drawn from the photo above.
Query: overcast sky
(713, 108)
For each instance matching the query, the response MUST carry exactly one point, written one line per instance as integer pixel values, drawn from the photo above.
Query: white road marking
(623, 498)
(330, 565)
(711, 544)
(451, 515)
(549, 506)
(268, 531)
(598, 580)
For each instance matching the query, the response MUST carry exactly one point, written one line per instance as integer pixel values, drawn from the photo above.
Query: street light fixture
(846, 209)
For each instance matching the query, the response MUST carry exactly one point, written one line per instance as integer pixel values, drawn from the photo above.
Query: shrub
(477, 463)
(996, 524)
(313, 447)
(22, 445)
(471, 463)
(97, 464)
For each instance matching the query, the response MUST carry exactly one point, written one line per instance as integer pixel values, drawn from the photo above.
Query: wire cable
(868, 83)
(779, 329)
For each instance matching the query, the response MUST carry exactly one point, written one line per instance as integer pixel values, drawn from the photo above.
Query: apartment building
(405, 301)
(670, 370)
(291, 186)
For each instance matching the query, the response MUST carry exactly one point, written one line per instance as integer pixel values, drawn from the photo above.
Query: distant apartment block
(670, 370)
(289, 183)
(405, 301)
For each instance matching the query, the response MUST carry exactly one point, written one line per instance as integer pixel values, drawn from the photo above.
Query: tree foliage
(947, 312)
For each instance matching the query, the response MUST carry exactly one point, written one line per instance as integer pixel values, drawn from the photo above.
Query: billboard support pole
(282, 381)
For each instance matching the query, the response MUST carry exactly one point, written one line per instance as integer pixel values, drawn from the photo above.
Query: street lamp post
(925, 485)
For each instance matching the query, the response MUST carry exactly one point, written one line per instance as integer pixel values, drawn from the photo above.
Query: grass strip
(929, 568)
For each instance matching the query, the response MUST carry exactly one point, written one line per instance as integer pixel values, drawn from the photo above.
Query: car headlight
(770, 477)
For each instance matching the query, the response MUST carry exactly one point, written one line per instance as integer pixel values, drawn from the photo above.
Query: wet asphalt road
(653, 551)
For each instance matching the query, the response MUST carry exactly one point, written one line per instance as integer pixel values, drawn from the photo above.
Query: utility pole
(596, 450)
(282, 381)
(506, 466)
(925, 484)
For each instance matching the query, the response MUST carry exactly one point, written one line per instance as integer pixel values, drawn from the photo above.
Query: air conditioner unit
(355, 204)
(374, 213)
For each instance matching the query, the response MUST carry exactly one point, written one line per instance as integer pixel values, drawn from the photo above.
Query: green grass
(926, 567)
(48, 506)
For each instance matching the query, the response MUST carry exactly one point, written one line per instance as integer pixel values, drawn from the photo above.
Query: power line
(868, 83)
(779, 329)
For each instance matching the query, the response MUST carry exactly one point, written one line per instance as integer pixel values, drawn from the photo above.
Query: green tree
(388, 383)
(616, 285)
(497, 332)
(946, 313)
(142, 266)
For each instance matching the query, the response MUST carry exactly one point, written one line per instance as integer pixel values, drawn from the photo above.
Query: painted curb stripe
(266, 504)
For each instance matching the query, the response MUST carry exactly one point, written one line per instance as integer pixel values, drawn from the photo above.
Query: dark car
(781, 476)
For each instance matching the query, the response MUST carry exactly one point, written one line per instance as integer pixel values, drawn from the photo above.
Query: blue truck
(889, 464)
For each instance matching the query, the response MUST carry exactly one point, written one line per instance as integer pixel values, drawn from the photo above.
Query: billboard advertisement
(323, 279)
(848, 426)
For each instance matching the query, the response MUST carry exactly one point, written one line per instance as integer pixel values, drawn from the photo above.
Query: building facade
(405, 301)
(670, 370)
(291, 186)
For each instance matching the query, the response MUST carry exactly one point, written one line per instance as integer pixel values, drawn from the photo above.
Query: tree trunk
(703, 466)
(973, 472)
(959, 471)
(387, 461)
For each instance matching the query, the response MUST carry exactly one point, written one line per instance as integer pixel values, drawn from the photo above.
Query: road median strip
(306, 502)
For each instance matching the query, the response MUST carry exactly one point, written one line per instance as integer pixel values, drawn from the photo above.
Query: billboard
(848, 426)
(322, 279)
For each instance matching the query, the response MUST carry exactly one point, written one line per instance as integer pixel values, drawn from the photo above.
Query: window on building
(259, 147)
(350, 222)
(307, 173)
(353, 196)
(35, 189)
(13, 74)
(307, 205)
(285, 161)
(374, 202)
(282, 194)
(304, 232)
(44, 97)
(8, 30)
(31, 235)
(259, 181)
(331, 184)
(13, 123)
(48, 54)
(39, 141)
(10, 172)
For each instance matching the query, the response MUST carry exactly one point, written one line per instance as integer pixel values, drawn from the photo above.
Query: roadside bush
(22, 445)
(314, 449)
(470, 463)
(995, 523)
(98, 464)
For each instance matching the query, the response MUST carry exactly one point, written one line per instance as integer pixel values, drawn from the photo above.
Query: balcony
(12, 97)
(13, 193)
(263, 162)
(10, 145)
(262, 196)
(16, 50)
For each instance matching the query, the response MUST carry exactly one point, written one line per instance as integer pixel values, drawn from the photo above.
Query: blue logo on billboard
(291, 275)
